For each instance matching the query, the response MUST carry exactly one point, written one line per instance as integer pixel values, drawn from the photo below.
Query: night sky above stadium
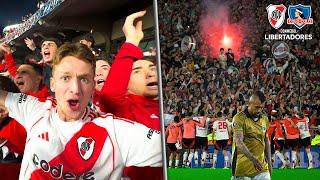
(11, 11)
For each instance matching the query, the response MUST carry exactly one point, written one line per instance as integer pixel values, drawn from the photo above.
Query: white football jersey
(202, 131)
(221, 129)
(93, 147)
(304, 128)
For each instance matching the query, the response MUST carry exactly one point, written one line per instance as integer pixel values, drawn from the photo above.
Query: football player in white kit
(305, 136)
(201, 140)
(65, 138)
(221, 127)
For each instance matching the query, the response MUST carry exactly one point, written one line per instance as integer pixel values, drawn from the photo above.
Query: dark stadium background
(13, 10)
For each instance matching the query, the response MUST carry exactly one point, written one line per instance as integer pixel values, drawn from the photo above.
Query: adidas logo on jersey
(57, 171)
(44, 136)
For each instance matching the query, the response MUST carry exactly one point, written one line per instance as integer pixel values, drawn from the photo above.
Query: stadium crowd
(193, 80)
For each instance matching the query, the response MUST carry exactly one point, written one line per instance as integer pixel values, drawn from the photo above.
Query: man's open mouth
(20, 83)
(152, 84)
(100, 81)
(46, 54)
(74, 104)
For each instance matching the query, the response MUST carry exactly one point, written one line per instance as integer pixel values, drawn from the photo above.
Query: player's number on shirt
(222, 125)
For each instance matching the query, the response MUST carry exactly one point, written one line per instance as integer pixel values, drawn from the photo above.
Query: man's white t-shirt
(93, 147)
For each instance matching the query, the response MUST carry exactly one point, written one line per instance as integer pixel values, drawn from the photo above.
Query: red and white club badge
(85, 147)
(276, 15)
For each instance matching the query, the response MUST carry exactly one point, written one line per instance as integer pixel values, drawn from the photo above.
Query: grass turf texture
(203, 174)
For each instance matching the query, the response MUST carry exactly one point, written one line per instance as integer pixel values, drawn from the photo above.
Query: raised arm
(196, 109)
(32, 46)
(8, 58)
(116, 85)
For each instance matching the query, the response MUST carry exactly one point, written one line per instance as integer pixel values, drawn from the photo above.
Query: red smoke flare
(216, 31)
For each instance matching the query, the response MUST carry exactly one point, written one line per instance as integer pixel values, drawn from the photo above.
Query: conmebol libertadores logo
(299, 16)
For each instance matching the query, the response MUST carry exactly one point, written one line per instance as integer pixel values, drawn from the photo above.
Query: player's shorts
(278, 145)
(306, 142)
(221, 144)
(172, 147)
(188, 142)
(291, 143)
(201, 142)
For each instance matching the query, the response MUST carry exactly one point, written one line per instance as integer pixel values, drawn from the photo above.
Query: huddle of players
(289, 132)
(193, 133)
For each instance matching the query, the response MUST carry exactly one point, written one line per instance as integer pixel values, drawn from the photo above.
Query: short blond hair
(77, 50)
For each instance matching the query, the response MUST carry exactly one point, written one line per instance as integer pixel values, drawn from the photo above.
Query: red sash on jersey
(72, 157)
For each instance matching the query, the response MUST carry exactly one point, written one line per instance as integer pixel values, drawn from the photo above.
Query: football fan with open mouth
(102, 71)
(28, 79)
(49, 48)
(131, 89)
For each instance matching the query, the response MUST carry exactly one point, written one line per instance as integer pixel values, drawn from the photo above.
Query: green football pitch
(203, 174)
